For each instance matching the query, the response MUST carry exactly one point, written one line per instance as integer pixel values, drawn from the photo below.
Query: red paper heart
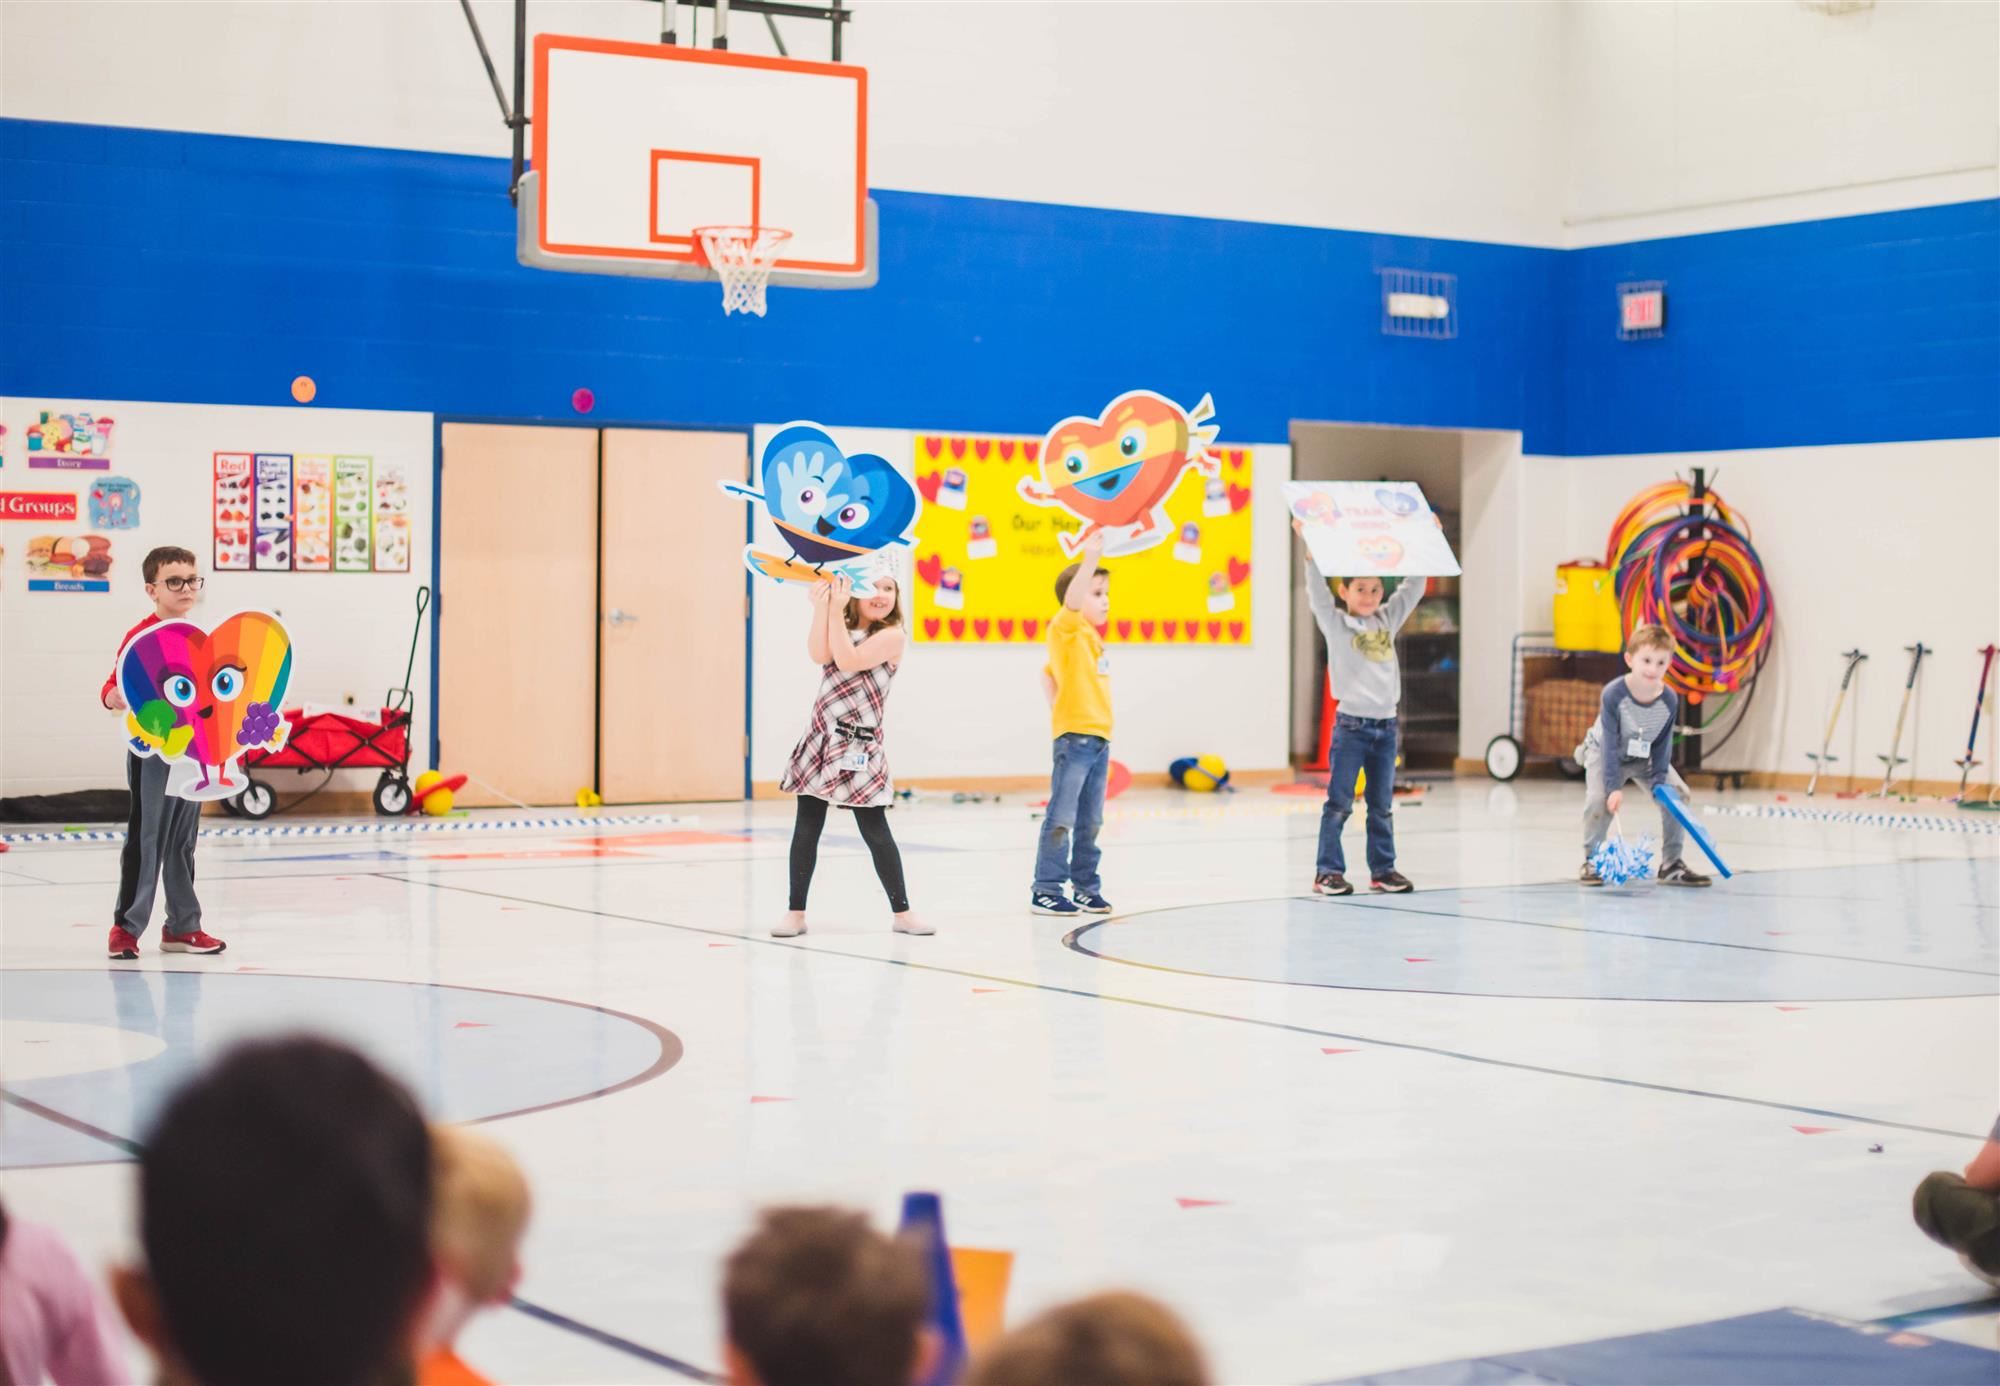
(932, 625)
(1236, 457)
(1193, 629)
(1239, 496)
(1031, 450)
(1238, 571)
(957, 628)
(1124, 630)
(1236, 631)
(1028, 628)
(1006, 449)
(983, 449)
(1167, 629)
(1145, 630)
(928, 483)
(981, 627)
(1006, 630)
(1104, 631)
(933, 446)
(958, 448)
(1215, 630)
(930, 569)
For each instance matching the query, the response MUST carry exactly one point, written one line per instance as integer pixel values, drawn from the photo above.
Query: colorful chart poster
(1370, 529)
(272, 546)
(79, 563)
(392, 519)
(987, 557)
(233, 505)
(353, 525)
(312, 514)
(79, 441)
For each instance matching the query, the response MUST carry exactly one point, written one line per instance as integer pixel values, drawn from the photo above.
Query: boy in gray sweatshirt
(1362, 674)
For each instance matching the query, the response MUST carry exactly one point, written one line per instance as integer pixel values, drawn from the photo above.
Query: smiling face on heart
(177, 676)
(1115, 468)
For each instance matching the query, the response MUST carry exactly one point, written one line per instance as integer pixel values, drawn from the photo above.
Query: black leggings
(874, 825)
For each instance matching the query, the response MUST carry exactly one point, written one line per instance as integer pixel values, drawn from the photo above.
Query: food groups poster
(987, 559)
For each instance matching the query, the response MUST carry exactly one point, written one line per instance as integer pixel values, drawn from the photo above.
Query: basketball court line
(1391, 908)
(1407, 1046)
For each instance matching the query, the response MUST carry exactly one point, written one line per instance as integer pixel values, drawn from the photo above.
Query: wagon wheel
(392, 794)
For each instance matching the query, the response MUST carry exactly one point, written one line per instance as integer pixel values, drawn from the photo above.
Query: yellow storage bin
(1586, 608)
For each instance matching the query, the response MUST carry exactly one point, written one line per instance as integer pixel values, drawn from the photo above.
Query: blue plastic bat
(1671, 802)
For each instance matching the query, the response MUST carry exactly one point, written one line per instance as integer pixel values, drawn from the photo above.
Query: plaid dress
(846, 717)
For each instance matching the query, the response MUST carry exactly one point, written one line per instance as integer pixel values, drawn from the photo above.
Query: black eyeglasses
(193, 584)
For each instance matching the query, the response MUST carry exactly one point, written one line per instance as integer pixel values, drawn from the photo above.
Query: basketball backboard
(637, 144)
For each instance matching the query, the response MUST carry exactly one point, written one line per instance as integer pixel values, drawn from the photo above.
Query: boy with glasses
(160, 832)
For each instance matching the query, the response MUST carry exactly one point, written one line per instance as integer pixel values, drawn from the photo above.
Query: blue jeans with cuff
(1360, 743)
(1068, 850)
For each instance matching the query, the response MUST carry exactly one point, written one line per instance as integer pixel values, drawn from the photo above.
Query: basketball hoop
(742, 258)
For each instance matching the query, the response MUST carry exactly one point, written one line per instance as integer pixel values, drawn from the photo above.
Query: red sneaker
(123, 946)
(196, 942)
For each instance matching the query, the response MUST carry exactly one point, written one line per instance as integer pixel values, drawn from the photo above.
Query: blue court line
(1406, 1046)
(1550, 924)
(612, 1341)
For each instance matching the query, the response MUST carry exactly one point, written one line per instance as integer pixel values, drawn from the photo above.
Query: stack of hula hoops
(1685, 561)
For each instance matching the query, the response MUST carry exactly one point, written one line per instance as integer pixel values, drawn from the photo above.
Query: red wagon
(331, 741)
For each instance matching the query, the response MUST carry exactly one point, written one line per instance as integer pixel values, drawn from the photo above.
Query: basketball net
(742, 258)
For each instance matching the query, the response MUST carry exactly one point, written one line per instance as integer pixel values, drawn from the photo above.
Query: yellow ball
(1206, 775)
(436, 804)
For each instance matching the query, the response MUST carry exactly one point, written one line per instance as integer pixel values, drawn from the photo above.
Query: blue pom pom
(1619, 861)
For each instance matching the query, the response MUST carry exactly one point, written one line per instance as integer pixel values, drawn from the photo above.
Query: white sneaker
(914, 926)
(785, 928)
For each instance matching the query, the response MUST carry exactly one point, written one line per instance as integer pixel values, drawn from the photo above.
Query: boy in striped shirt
(1632, 742)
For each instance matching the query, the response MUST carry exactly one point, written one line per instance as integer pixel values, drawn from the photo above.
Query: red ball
(583, 401)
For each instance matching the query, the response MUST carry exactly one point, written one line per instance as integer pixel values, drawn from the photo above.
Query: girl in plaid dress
(858, 645)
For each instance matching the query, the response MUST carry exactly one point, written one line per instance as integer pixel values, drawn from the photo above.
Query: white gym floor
(1341, 1136)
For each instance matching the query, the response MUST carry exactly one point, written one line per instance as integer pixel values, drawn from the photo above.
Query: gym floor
(1342, 1136)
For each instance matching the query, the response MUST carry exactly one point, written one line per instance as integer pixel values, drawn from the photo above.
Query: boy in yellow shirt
(1077, 682)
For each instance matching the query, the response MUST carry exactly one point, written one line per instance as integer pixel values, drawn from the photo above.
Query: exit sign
(1642, 310)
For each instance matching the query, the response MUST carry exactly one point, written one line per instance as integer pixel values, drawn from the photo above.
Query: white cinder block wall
(350, 631)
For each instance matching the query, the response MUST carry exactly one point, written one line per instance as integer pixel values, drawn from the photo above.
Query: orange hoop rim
(747, 236)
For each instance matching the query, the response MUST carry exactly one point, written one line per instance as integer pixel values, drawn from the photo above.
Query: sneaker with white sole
(1331, 883)
(1043, 902)
(124, 947)
(1391, 883)
(196, 942)
(1090, 902)
(1679, 873)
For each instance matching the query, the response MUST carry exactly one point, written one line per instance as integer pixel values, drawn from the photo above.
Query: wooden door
(517, 611)
(672, 701)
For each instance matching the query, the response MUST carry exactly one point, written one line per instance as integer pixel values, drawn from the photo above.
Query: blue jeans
(1360, 743)
(1068, 851)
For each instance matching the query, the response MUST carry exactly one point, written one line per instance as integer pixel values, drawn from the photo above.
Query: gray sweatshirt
(1361, 651)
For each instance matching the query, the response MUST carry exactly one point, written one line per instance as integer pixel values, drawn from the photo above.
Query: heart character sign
(204, 698)
(1115, 472)
(836, 511)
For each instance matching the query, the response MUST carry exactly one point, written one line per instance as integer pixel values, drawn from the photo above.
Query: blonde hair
(1649, 637)
(1115, 1339)
(479, 1210)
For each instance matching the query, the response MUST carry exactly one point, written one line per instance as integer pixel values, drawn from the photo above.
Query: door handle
(618, 616)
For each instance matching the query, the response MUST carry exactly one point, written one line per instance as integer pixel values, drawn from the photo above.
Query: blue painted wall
(147, 264)
(1856, 330)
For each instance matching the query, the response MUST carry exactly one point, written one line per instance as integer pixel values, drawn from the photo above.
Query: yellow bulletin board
(987, 559)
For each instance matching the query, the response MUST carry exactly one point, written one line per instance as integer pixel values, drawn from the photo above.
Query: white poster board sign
(1370, 529)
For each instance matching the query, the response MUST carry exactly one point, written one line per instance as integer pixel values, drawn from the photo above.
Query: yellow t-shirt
(1082, 675)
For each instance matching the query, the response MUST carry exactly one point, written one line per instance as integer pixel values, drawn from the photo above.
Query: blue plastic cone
(923, 1219)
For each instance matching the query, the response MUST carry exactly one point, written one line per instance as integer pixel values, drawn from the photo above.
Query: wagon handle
(401, 698)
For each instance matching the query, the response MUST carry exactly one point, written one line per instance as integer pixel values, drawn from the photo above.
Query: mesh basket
(1560, 712)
